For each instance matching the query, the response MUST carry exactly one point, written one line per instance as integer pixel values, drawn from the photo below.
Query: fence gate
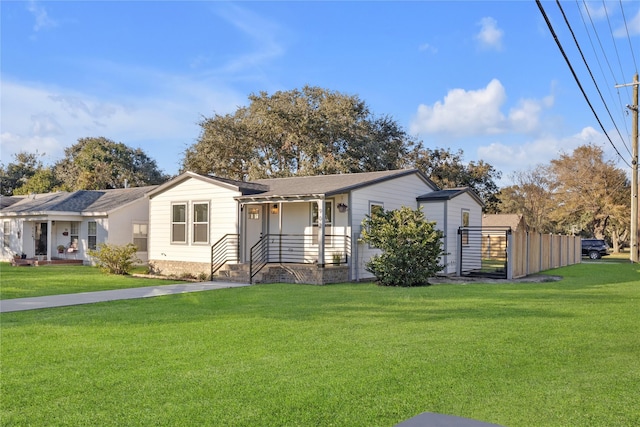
(483, 251)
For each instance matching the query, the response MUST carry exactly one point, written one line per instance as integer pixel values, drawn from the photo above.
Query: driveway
(34, 303)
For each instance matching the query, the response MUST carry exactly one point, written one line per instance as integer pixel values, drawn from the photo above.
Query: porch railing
(298, 249)
(225, 250)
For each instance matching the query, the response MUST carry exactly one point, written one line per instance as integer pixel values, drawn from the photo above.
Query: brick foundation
(179, 268)
(308, 274)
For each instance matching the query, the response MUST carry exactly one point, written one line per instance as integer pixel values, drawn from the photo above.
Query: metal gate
(484, 251)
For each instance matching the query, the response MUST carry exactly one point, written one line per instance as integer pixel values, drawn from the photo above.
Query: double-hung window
(201, 223)
(140, 235)
(179, 223)
(73, 238)
(92, 235)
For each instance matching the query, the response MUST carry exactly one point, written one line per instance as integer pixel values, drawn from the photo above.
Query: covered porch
(48, 239)
(293, 239)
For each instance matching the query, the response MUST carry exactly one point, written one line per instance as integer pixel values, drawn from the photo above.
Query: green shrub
(115, 259)
(411, 247)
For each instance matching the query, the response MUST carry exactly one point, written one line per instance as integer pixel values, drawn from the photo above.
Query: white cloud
(490, 36)
(605, 12)
(632, 26)
(509, 158)
(426, 47)
(49, 119)
(595, 12)
(262, 33)
(45, 124)
(42, 18)
(465, 113)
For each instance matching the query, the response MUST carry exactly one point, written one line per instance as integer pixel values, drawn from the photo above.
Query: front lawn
(561, 353)
(21, 282)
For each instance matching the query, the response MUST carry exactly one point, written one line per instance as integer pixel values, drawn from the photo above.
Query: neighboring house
(37, 224)
(451, 209)
(198, 224)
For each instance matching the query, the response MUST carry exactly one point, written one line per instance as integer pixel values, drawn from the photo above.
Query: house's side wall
(189, 258)
(13, 239)
(454, 221)
(393, 194)
(121, 221)
(436, 211)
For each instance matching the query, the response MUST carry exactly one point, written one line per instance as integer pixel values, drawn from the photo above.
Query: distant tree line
(90, 164)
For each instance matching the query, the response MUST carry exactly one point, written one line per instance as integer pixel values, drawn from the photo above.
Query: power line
(555, 37)
(610, 86)
(591, 74)
(626, 28)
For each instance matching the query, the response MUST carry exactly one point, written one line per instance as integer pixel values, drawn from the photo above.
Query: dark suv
(594, 248)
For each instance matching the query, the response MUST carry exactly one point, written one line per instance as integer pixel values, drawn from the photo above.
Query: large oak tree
(18, 172)
(590, 191)
(100, 164)
(579, 192)
(310, 131)
(448, 170)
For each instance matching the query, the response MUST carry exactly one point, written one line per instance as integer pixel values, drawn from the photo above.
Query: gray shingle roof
(241, 186)
(80, 202)
(448, 194)
(9, 200)
(329, 185)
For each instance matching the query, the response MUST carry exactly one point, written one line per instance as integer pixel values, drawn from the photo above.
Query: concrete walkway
(34, 303)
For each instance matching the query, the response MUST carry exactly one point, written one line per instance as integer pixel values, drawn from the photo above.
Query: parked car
(594, 248)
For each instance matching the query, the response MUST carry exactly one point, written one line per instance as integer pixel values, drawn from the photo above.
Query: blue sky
(484, 77)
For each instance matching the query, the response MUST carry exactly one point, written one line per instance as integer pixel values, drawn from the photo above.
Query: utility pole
(634, 170)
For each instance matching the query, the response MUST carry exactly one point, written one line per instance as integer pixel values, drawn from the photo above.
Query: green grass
(561, 353)
(22, 282)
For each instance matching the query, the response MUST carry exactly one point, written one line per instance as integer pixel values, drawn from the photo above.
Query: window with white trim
(179, 223)
(465, 223)
(140, 236)
(201, 223)
(73, 235)
(92, 235)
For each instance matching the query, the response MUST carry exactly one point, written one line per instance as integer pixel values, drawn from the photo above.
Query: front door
(41, 238)
(254, 225)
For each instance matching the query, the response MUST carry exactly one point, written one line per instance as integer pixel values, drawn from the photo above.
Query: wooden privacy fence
(531, 252)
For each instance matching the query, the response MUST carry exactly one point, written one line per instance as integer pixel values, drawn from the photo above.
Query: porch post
(321, 225)
(49, 226)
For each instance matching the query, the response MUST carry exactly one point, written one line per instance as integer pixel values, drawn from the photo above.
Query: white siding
(437, 212)
(448, 217)
(120, 224)
(14, 228)
(393, 194)
(223, 219)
